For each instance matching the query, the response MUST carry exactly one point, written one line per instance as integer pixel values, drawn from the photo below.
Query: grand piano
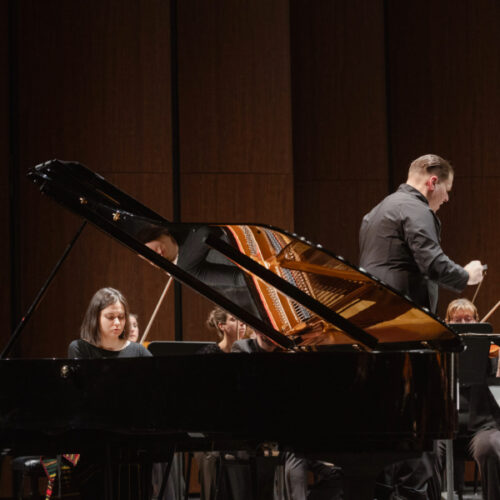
(363, 377)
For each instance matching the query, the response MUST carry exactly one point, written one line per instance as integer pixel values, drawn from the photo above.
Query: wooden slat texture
(265, 198)
(335, 209)
(234, 86)
(339, 121)
(96, 81)
(5, 264)
(5, 237)
(445, 64)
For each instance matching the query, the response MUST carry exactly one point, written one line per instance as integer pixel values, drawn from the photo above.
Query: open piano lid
(295, 292)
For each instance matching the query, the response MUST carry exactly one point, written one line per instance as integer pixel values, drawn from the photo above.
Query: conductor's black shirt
(400, 245)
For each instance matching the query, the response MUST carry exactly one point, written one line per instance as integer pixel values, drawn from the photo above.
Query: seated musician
(105, 329)
(464, 311)
(461, 311)
(133, 335)
(228, 329)
(104, 333)
(483, 424)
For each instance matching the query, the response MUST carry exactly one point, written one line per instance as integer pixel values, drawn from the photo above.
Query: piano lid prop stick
(491, 311)
(153, 316)
(480, 283)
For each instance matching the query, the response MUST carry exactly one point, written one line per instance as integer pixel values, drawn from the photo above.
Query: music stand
(472, 370)
(171, 347)
(473, 361)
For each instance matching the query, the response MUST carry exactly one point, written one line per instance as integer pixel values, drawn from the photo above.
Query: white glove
(475, 270)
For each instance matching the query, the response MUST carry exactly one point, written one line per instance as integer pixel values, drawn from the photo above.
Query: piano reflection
(374, 372)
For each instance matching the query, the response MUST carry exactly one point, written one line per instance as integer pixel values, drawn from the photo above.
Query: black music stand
(473, 366)
(171, 347)
(473, 361)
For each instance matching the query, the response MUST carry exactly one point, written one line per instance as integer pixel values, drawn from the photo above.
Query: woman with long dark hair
(105, 329)
(104, 334)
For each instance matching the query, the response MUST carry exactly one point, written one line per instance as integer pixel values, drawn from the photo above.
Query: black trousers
(415, 479)
(485, 448)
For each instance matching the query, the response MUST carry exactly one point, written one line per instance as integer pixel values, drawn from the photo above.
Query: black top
(400, 244)
(83, 350)
(212, 348)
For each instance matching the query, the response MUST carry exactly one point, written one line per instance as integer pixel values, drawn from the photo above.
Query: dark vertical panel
(5, 122)
(391, 185)
(174, 79)
(339, 121)
(445, 68)
(94, 86)
(235, 119)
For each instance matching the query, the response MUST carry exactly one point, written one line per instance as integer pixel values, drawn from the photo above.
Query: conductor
(400, 237)
(400, 244)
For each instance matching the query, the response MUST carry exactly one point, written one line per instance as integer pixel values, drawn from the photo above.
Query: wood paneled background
(5, 271)
(294, 113)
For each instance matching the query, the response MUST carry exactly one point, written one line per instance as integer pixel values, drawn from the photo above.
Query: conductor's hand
(475, 270)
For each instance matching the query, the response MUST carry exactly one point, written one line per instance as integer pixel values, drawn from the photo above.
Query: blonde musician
(483, 425)
(461, 311)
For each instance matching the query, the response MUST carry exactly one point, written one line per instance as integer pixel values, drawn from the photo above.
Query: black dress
(129, 481)
(82, 349)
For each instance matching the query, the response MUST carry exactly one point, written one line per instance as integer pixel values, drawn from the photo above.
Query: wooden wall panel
(5, 303)
(444, 61)
(96, 81)
(235, 121)
(264, 198)
(94, 86)
(339, 120)
(335, 209)
(234, 81)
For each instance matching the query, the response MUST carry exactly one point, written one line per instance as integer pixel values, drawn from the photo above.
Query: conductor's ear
(431, 183)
